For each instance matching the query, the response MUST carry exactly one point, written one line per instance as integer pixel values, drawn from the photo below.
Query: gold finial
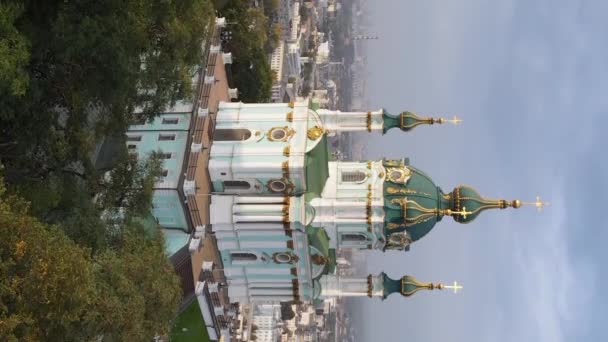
(538, 203)
(456, 287)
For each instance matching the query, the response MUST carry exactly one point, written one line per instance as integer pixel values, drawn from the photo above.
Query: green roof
(421, 189)
(318, 238)
(317, 170)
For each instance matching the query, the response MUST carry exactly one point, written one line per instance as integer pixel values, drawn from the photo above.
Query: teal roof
(406, 121)
(406, 286)
(318, 238)
(317, 168)
(468, 201)
(423, 197)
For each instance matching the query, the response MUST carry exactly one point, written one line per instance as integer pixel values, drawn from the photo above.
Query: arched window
(243, 257)
(236, 185)
(356, 238)
(355, 176)
(238, 134)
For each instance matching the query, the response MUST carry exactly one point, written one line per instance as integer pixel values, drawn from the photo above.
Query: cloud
(551, 287)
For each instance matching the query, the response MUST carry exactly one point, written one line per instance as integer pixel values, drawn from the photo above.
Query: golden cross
(454, 287)
(538, 203)
(462, 213)
(454, 120)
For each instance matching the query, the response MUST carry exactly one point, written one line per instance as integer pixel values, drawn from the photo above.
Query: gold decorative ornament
(280, 133)
(286, 151)
(392, 225)
(285, 169)
(285, 258)
(290, 117)
(315, 133)
(398, 174)
(392, 190)
(291, 104)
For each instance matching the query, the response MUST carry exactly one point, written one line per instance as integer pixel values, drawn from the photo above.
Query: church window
(165, 155)
(166, 137)
(238, 134)
(277, 186)
(236, 185)
(355, 176)
(243, 257)
(354, 238)
(170, 121)
(133, 137)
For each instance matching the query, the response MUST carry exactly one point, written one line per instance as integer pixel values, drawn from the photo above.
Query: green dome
(467, 204)
(407, 121)
(406, 286)
(413, 204)
(422, 200)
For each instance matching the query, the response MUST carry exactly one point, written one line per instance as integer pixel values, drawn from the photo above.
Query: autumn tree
(52, 289)
(47, 282)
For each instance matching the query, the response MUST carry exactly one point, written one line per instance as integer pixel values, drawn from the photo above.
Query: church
(280, 208)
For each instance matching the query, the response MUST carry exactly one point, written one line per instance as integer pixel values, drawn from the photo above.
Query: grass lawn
(189, 326)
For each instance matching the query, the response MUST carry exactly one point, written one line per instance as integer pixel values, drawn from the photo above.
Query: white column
(251, 218)
(337, 121)
(337, 286)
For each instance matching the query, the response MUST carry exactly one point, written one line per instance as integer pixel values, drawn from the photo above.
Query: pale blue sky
(530, 79)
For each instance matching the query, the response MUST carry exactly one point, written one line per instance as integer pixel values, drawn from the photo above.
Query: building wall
(254, 155)
(147, 137)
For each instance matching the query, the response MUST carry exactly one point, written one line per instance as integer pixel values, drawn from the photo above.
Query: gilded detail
(280, 133)
(285, 169)
(286, 151)
(315, 133)
(290, 117)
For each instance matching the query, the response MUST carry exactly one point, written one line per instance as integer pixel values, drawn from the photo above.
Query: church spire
(466, 204)
(380, 286)
(408, 286)
(335, 121)
(406, 121)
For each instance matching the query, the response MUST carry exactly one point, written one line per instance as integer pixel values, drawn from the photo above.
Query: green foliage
(90, 64)
(140, 291)
(129, 186)
(250, 69)
(14, 52)
(252, 76)
(52, 289)
(47, 284)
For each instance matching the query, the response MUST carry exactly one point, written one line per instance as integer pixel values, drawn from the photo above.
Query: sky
(530, 80)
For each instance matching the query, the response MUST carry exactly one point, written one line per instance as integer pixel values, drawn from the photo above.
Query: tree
(47, 284)
(90, 64)
(139, 290)
(51, 289)
(129, 186)
(250, 69)
(14, 52)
